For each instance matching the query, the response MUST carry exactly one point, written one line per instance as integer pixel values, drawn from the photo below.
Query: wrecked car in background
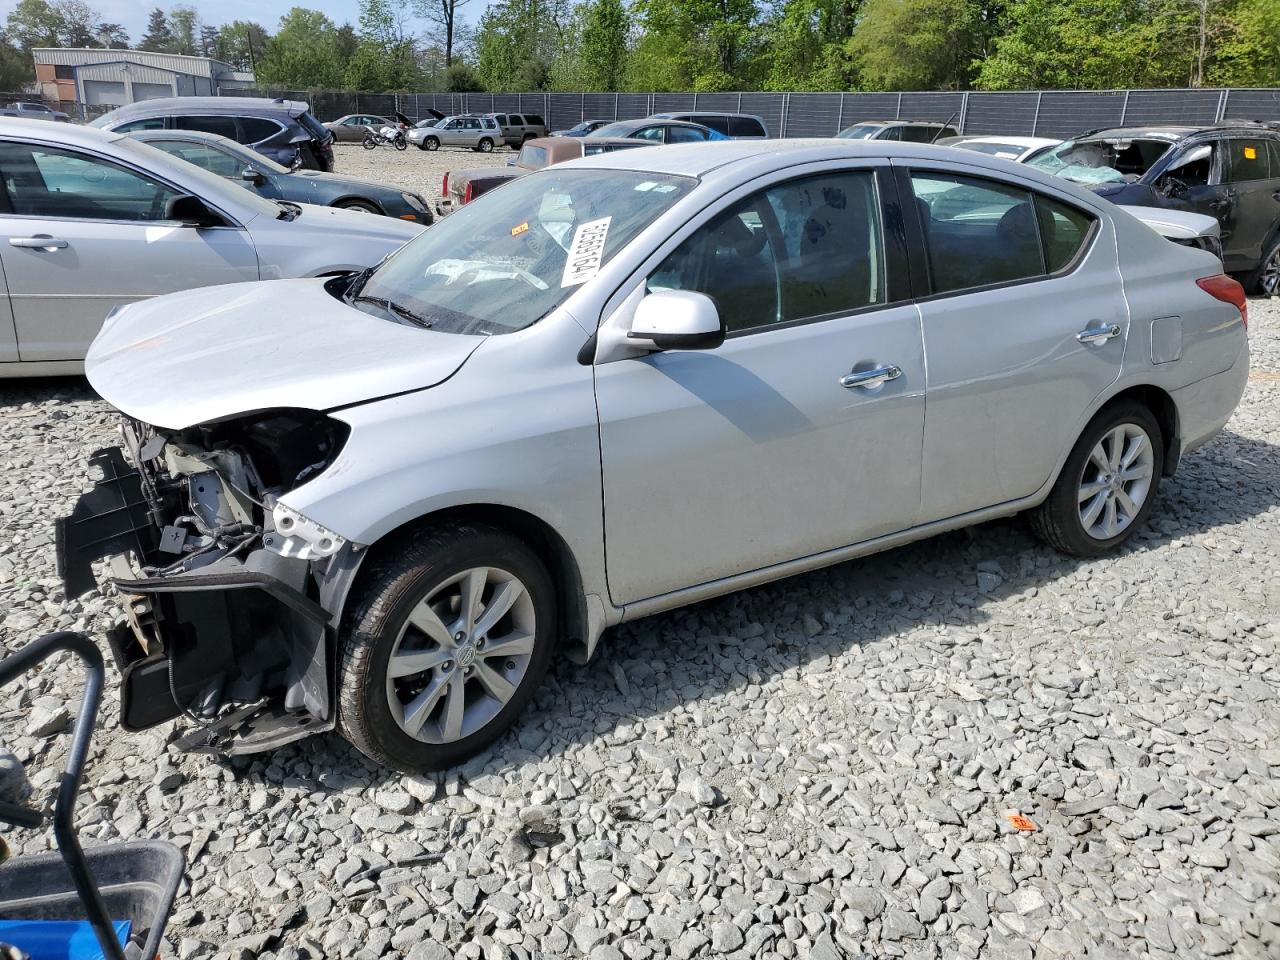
(381, 502)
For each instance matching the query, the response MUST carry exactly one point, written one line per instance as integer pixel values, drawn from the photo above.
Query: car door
(1024, 322)
(1250, 187)
(8, 331)
(80, 234)
(801, 432)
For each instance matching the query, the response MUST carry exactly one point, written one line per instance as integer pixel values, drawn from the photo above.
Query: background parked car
(352, 127)
(658, 131)
(237, 163)
(1229, 171)
(475, 133)
(735, 126)
(32, 111)
(283, 130)
(460, 187)
(1017, 149)
(581, 129)
(519, 127)
(95, 220)
(911, 131)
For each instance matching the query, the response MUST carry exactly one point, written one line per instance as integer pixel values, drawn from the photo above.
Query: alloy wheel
(1270, 282)
(461, 655)
(1116, 481)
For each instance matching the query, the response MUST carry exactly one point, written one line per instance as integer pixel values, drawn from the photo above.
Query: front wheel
(359, 206)
(444, 647)
(1265, 280)
(400, 142)
(485, 145)
(1108, 485)
(369, 142)
(431, 143)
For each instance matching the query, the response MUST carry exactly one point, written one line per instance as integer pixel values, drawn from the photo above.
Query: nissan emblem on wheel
(384, 502)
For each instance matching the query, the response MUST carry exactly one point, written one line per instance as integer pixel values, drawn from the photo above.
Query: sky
(132, 14)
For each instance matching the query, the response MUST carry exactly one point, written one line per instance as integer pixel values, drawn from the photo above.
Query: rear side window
(532, 120)
(890, 133)
(1063, 231)
(223, 126)
(685, 135)
(150, 123)
(745, 127)
(922, 134)
(256, 129)
(716, 122)
(517, 120)
(1246, 160)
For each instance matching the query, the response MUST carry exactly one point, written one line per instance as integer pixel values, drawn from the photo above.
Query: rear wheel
(485, 145)
(1266, 279)
(444, 647)
(1108, 485)
(369, 142)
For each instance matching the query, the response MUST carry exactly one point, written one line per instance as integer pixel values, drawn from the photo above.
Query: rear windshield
(860, 131)
(502, 262)
(532, 158)
(745, 127)
(623, 129)
(1101, 160)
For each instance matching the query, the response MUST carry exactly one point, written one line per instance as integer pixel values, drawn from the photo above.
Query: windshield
(860, 131)
(1110, 160)
(1010, 151)
(210, 187)
(506, 260)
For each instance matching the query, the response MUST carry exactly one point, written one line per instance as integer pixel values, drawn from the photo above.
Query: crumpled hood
(215, 352)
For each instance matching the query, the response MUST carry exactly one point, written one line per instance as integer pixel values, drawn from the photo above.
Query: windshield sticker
(645, 187)
(585, 252)
(1250, 153)
(520, 228)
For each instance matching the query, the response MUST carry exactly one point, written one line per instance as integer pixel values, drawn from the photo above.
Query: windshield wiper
(396, 309)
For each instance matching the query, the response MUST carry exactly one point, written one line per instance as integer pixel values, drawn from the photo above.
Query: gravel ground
(820, 768)
(412, 169)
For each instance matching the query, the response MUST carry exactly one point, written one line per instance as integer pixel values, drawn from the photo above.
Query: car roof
(652, 121)
(192, 135)
(175, 106)
(1172, 132)
(63, 134)
(669, 114)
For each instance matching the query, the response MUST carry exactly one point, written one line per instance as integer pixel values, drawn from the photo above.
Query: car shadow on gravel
(720, 647)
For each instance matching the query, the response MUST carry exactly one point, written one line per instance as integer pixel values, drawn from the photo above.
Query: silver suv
(475, 133)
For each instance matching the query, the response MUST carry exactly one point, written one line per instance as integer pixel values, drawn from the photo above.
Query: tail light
(466, 194)
(444, 185)
(1227, 290)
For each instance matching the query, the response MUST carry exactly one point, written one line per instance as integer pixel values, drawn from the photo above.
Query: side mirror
(192, 212)
(678, 320)
(252, 176)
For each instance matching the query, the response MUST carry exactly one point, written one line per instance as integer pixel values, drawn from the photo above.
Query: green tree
(807, 45)
(1248, 52)
(16, 69)
(604, 44)
(185, 24)
(112, 36)
(460, 78)
(241, 43)
(916, 44)
(34, 23)
(695, 44)
(518, 41)
(79, 23)
(386, 58)
(443, 17)
(159, 36)
(303, 52)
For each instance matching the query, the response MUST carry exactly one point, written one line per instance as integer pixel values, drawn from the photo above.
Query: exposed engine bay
(227, 591)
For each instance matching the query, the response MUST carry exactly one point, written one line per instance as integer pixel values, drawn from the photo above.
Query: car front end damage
(231, 598)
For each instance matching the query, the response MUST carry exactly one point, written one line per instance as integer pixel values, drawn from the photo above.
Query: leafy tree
(159, 36)
(16, 69)
(209, 38)
(34, 23)
(303, 52)
(112, 36)
(185, 24)
(604, 44)
(347, 41)
(916, 44)
(517, 42)
(443, 16)
(78, 23)
(694, 44)
(386, 57)
(1248, 51)
(241, 43)
(460, 78)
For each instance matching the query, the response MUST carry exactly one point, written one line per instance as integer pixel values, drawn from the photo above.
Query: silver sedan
(92, 220)
(617, 386)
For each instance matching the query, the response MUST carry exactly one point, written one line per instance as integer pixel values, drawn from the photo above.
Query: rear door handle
(1098, 334)
(871, 378)
(38, 242)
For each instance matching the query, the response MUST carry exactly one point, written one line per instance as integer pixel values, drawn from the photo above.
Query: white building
(95, 76)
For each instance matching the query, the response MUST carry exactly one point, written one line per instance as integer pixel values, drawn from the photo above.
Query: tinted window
(255, 129)
(1063, 231)
(714, 121)
(49, 182)
(150, 123)
(890, 133)
(501, 118)
(745, 127)
(861, 131)
(532, 120)
(1273, 151)
(1246, 160)
(803, 249)
(517, 120)
(202, 155)
(685, 135)
(649, 133)
(223, 126)
(977, 232)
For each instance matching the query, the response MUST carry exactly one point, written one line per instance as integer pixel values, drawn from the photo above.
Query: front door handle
(871, 378)
(39, 242)
(1098, 334)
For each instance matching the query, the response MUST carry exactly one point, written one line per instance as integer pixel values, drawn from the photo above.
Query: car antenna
(944, 126)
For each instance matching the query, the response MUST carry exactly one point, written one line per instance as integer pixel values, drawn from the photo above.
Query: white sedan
(1017, 149)
(91, 220)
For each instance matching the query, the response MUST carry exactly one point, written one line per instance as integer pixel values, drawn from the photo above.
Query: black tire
(376, 617)
(485, 145)
(1057, 521)
(422, 146)
(1265, 279)
(400, 142)
(370, 142)
(431, 143)
(360, 206)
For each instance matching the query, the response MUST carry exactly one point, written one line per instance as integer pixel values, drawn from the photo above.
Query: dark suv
(282, 130)
(912, 131)
(1229, 171)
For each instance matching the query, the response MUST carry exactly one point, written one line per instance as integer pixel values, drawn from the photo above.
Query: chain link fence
(1048, 113)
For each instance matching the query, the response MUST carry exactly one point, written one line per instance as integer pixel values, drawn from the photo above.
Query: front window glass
(502, 263)
(1112, 160)
(50, 182)
(807, 248)
(860, 131)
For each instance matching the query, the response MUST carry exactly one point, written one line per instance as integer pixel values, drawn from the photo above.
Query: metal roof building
(98, 77)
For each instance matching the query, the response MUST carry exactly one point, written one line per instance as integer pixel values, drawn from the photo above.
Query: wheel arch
(356, 198)
(1164, 409)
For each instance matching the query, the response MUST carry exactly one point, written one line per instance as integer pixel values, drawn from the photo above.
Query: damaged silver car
(381, 502)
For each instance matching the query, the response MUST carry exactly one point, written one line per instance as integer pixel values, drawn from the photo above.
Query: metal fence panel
(506, 103)
(599, 106)
(563, 110)
(536, 103)
(1171, 106)
(856, 107)
(1066, 113)
(632, 106)
(717, 102)
(812, 115)
(940, 107)
(672, 102)
(992, 113)
(1253, 105)
(768, 107)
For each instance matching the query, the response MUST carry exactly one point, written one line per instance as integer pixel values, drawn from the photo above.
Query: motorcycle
(396, 134)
